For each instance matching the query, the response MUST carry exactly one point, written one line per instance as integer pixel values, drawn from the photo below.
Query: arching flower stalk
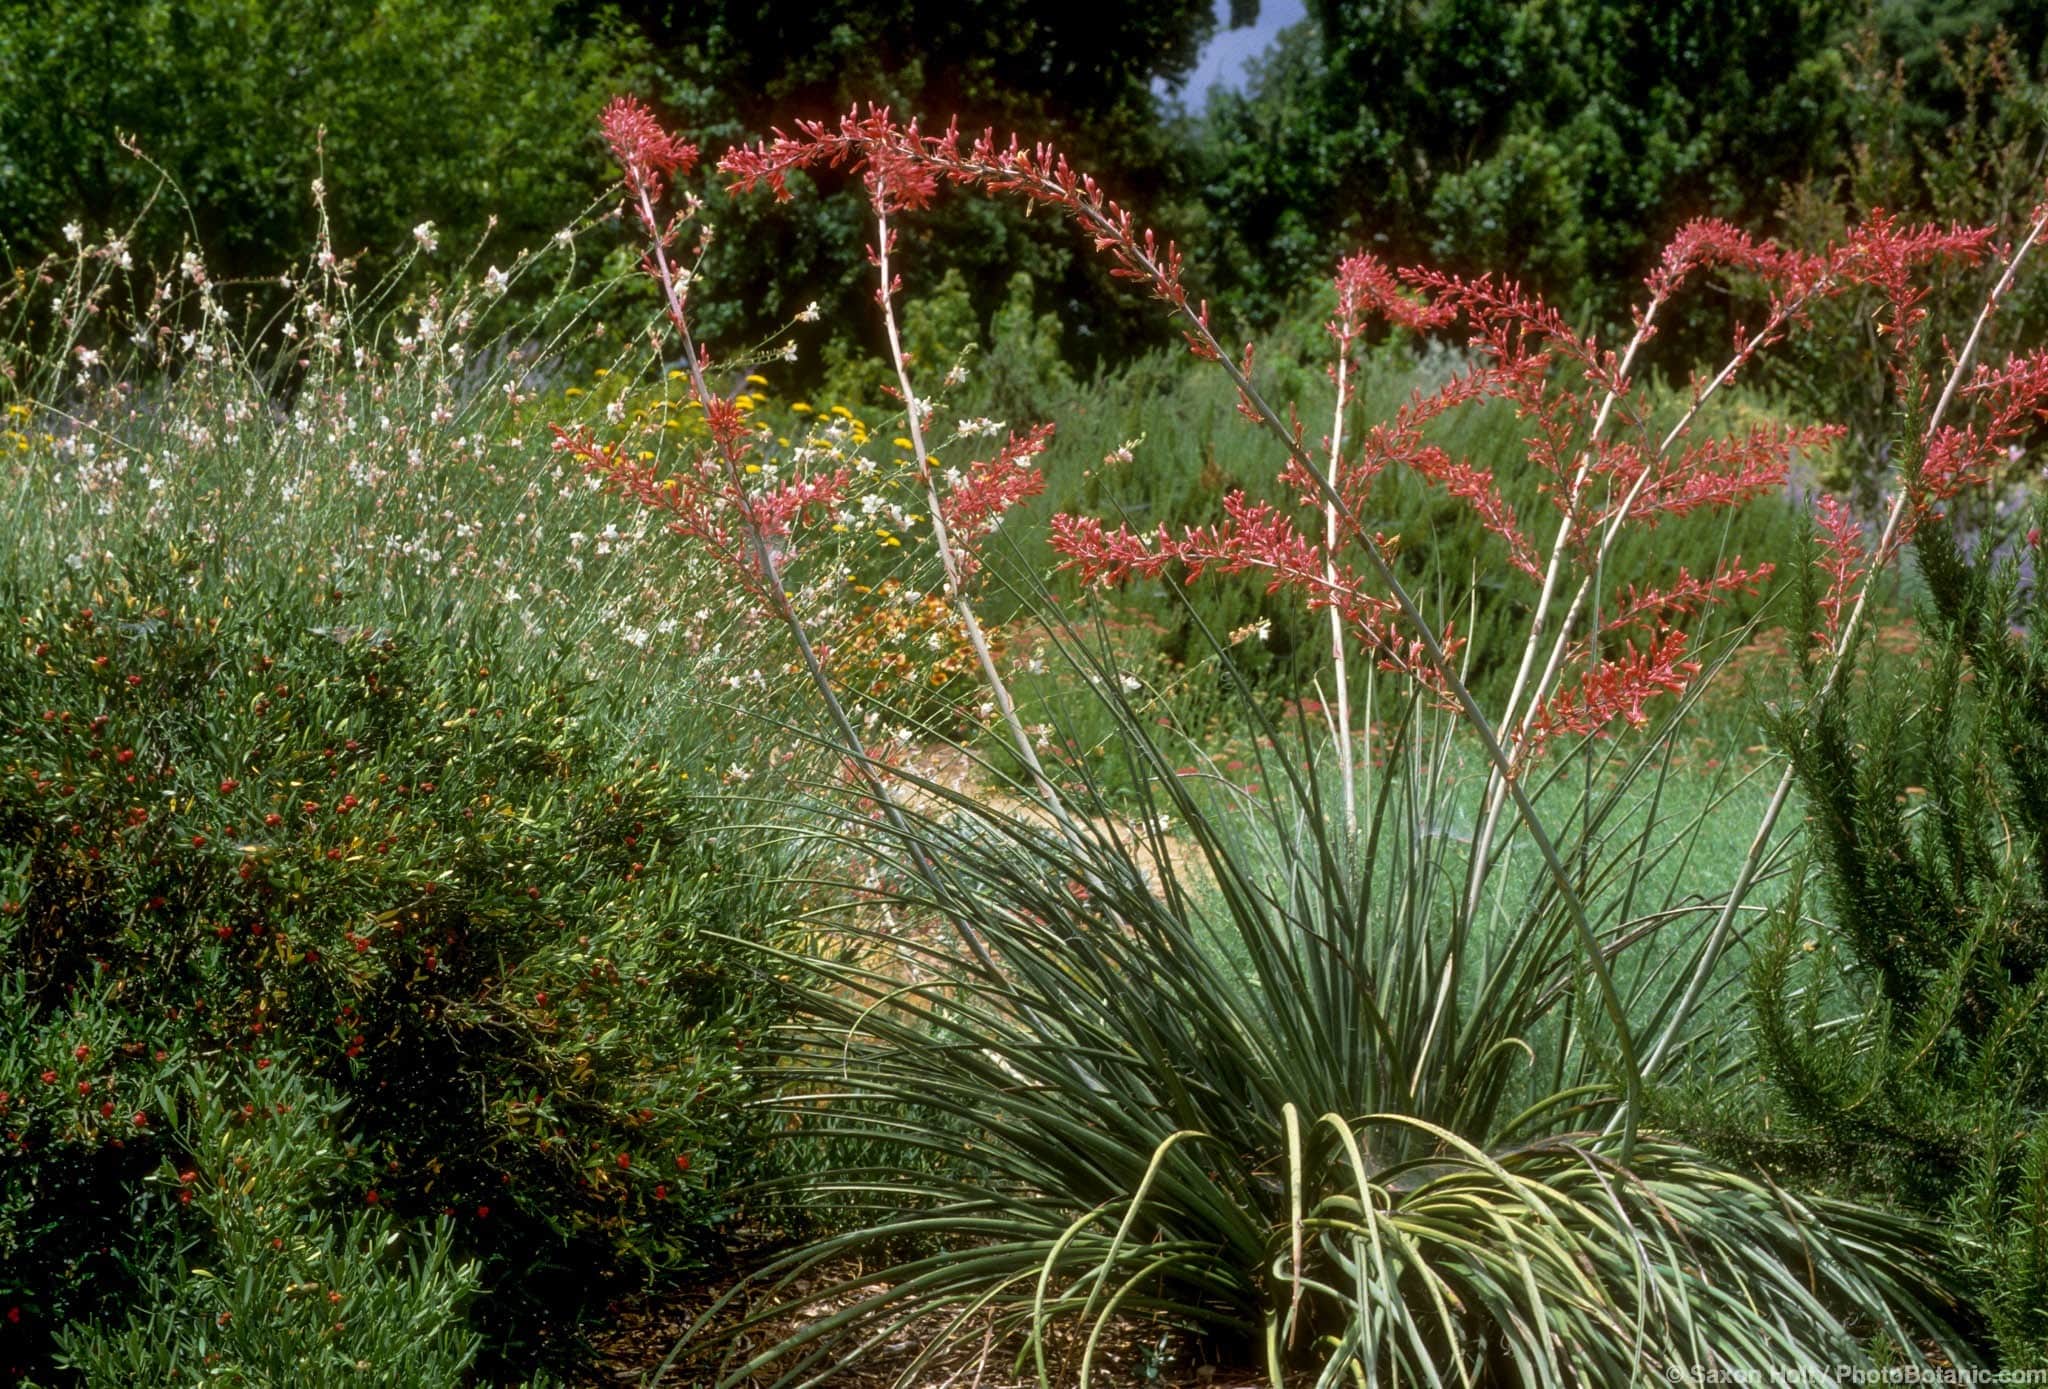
(748, 528)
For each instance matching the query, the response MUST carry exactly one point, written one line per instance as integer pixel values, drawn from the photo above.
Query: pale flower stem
(1555, 569)
(1468, 705)
(956, 588)
(785, 609)
(1561, 644)
(1745, 878)
(1494, 797)
(1348, 774)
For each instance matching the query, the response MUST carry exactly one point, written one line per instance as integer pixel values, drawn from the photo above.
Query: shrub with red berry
(414, 881)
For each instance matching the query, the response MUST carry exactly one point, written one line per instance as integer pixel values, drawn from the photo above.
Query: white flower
(512, 593)
(566, 237)
(1132, 684)
(424, 234)
(73, 233)
(810, 313)
(496, 281)
(87, 357)
(615, 411)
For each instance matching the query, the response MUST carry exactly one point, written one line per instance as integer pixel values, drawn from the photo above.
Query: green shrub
(274, 1274)
(1903, 1030)
(469, 115)
(250, 834)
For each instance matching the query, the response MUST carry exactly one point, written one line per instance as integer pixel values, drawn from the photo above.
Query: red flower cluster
(1608, 464)
(989, 488)
(644, 150)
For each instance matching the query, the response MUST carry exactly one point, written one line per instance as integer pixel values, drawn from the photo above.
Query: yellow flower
(757, 380)
(753, 467)
(901, 442)
(572, 390)
(842, 412)
(602, 372)
(801, 407)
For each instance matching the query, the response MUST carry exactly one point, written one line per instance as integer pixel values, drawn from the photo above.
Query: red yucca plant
(1330, 1149)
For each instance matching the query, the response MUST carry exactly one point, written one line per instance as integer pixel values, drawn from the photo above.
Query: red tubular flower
(644, 150)
(988, 489)
(1842, 559)
(1617, 689)
(1587, 429)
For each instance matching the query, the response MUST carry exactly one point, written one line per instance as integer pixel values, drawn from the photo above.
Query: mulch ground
(645, 1329)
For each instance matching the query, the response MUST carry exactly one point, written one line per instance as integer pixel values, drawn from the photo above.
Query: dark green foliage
(1908, 1035)
(418, 892)
(1558, 142)
(454, 113)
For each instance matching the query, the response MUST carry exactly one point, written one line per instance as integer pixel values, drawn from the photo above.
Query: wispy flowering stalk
(953, 559)
(1908, 502)
(1358, 279)
(711, 511)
